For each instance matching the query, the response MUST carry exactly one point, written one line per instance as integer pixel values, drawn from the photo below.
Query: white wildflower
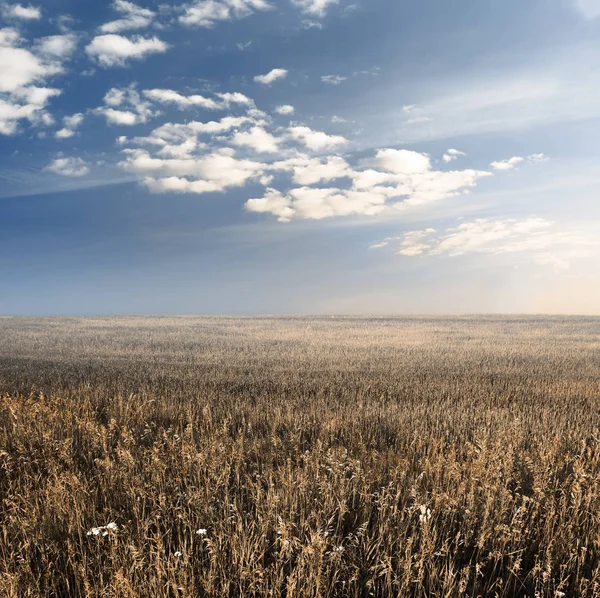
(103, 530)
(425, 515)
(201, 532)
(177, 554)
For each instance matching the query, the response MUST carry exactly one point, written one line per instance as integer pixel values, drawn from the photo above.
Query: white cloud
(70, 126)
(235, 98)
(273, 202)
(168, 96)
(537, 158)
(271, 76)
(333, 79)
(258, 139)
(452, 154)
(217, 171)
(401, 178)
(134, 17)
(23, 73)
(116, 50)
(206, 13)
(58, 46)
(309, 171)
(124, 106)
(284, 109)
(317, 204)
(224, 100)
(200, 157)
(316, 140)
(71, 167)
(26, 13)
(20, 67)
(402, 161)
(507, 164)
(315, 7)
(538, 237)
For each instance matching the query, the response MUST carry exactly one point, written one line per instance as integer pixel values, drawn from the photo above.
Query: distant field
(299, 457)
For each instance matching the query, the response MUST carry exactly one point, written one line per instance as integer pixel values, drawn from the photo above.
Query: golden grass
(322, 457)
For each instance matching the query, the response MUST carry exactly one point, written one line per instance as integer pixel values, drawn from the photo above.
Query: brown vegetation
(299, 457)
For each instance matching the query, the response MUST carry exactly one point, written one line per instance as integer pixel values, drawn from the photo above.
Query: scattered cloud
(284, 110)
(315, 7)
(206, 13)
(452, 154)
(23, 74)
(222, 101)
(116, 50)
(70, 126)
(333, 79)
(271, 76)
(403, 161)
(134, 17)
(316, 140)
(57, 46)
(168, 96)
(546, 243)
(258, 139)
(125, 106)
(308, 24)
(537, 158)
(507, 164)
(25, 13)
(70, 167)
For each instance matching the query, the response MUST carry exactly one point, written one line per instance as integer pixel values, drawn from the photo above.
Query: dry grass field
(299, 457)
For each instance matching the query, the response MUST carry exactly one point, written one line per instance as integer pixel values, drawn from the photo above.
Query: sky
(299, 157)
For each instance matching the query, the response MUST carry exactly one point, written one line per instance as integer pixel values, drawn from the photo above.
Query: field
(299, 457)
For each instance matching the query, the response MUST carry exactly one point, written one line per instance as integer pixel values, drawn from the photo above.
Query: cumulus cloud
(542, 239)
(310, 171)
(399, 178)
(134, 17)
(215, 155)
(168, 96)
(402, 161)
(507, 164)
(70, 167)
(316, 140)
(315, 7)
(206, 13)
(222, 101)
(258, 139)
(271, 76)
(452, 154)
(116, 50)
(70, 126)
(23, 74)
(57, 46)
(125, 106)
(284, 110)
(25, 13)
(213, 172)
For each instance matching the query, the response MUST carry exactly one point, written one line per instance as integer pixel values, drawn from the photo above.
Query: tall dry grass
(299, 457)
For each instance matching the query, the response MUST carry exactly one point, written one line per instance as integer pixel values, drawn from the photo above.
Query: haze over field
(299, 156)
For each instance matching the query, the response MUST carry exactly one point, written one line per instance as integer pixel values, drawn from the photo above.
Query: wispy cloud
(271, 76)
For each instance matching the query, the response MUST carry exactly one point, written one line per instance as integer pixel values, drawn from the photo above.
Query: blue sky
(299, 156)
